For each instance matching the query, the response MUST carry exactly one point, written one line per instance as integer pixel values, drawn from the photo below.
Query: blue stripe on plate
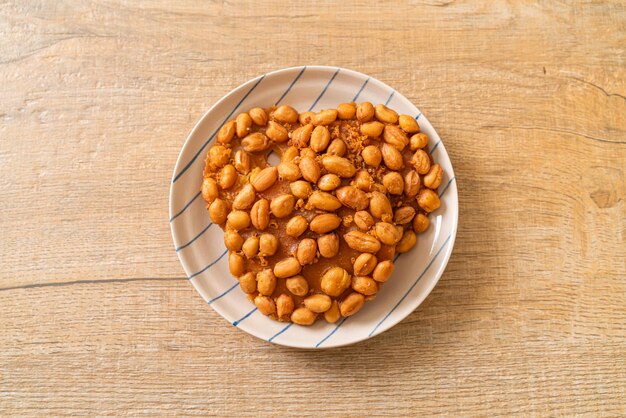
(280, 332)
(332, 332)
(185, 207)
(446, 188)
(435, 147)
(325, 88)
(389, 99)
(360, 90)
(194, 238)
(185, 168)
(412, 286)
(295, 80)
(209, 265)
(418, 115)
(223, 294)
(237, 322)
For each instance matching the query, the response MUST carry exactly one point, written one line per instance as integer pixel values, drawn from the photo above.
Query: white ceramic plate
(200, 245)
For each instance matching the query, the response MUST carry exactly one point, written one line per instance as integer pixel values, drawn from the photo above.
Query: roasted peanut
(380, 206)
(324, 223)
(371, 155)
(288, 171)
(236, 264)
(352, 197)
(384, 114)
(346, 110)
(428, 200)
(329, 182)
(320, 138)
(265, 179)
(276, 132)
(421, 161)
(407, 242)
(282, 205)
(432, 180)
(210, 191)
(403, 215)
(364, 285)
(334, 281)
(265, 304)
(296, 226)
(266, 282)
(318, 303)
(364, 264)
(310, 169)
(337, 147)
(363, 220)
(258, 116)
(300, 137)
(418, 141)
(387, 233)
(301, 189)
(365, 112)
(306, 251)
(289, 154)
(245, 197)
(411, 183)
(363, 180)
(332, 315)
(232, 240)
(362, 242)
(338, 165)
(306, 117)
(420, 223)
(284, 306)
(219, 156)
(325, 117)
(268, 245)
(227, 176)
(237, 220)
(372, 129)
(227, 132)
(352, 304)
(393, 182)
(250, 247)
(383, 271)
(408, 124)
(218, 210)
(392, 157)
(247, 282)
(255, 142)
(328, 245)
(242, 162)
(303, 316)
(243, 124)
(260, 214)
(287, 268)
(395, 136)
(324, 201)
(307, 153)
(297, 285)
(285, 114)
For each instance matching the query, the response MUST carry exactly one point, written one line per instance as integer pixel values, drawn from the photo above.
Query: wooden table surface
(96, 315)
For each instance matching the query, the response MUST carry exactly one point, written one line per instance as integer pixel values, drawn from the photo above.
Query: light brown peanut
(250, 247)
(420, 223)
(320, 138)
(282, 206)
(227, 176)
(285, 113)
(265, 304)
(318, 303)
(364, 264)
(218, 210)
(300, 137)
(287, 268)
(363, 180)
(265, 179)
(276, 132)
(380, 206)
(346, 110)
(227, 132)
(268, 245)
(364, 285)
(392, 157)
(365, 112)
(297, 285)
(418, 141)
(306, 251)
(247, 282)
(219, 156)
(324, 223)
(432, 180)
(372, 129)
(255, 142)
(387, 233)
(328, 245)
(384, 114)
(412, 183)
(245, 197)
(371, 155)
(266, 282)
(332, 315)
(396, 137)
(403, 215)
(232, 240)
(237, 220)
(338, 165)
(288, 171)
(307, 153)
(303, 316)
(310, 169)
(352, 304)
(296, 226)
(334, 281)
(242, 162)
(236, 264)
(408, 241)
(421, 161)
(289, 154)
(325, 117)
(337, 147)
(306, 117)
(352, 197)
(383, 271)
(428, 200)
(362, 242)
(260, 214)
(324, 201)
(301, 189)
(243, 124)
(408, 124)
(258, 116)
(210, 191)
(329, 182)
(363, 220)
(393, 182)
(284, 306)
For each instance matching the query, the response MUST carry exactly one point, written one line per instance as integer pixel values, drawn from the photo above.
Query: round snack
(314, 236)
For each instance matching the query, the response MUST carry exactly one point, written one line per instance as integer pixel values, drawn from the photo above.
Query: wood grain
(96, 316)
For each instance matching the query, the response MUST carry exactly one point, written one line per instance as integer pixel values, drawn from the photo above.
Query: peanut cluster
(317, 234)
